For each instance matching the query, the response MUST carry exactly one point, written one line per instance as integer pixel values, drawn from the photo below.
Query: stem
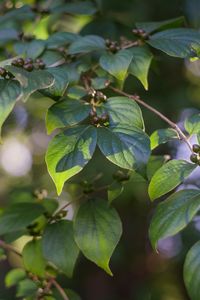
(132, 44)
(155, 111)
(63, 207)
(60, 289)
(8, 247)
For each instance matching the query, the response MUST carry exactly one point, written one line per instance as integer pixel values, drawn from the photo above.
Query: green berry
(196, 148)
(194, 158)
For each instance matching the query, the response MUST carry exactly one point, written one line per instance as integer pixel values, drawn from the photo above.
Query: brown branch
(8, 247)
(60, 289)
(155, 111)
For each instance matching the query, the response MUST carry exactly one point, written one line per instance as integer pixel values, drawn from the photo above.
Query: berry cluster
(5, 74)
(96, 120)
(195, 157)
(97, 96)
(28, 64)
(112, 46)
(140, 33)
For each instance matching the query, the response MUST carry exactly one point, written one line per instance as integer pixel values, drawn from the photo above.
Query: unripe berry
(194, 158)
(196, 148)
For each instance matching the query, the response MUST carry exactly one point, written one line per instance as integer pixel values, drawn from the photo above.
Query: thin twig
(155, 111)
(63, 207)
(132, 44)
(8, 247)
(60, 289)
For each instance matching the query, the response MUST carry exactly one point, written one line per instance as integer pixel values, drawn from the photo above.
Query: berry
(41, 65)
(38, 60)
(28, 60)
(28, 67)
(104, 118)
(20, 61)
(15, 63)
(95, 120)
(3, 72)
(194, 158)
(93, 113)
(196, 148)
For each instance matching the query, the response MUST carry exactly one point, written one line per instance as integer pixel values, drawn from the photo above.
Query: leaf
(33, 259)
(72, 295)
(99, 83)
(140, 64)
(86, 44)
(67, 112)
(174, 214)
(125, 146)
(115, 190)
(191, 272)
(192, 124)
(18, 216)
(94, 223)
(162, 136)
(79, 8)
(14, 276)
(52, 58)
(10, 92)
(168, 177)
(117, 64)
(150, 27)
(31, 81)
(176, 42)
(26, 288)
(50, 205)
(123, 111)
(155, 162)
(69, 152)
(35, 48)
(60, 39)
(8, 35)
(59, 246)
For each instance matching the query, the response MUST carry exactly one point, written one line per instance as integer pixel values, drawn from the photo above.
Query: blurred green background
(174, 89)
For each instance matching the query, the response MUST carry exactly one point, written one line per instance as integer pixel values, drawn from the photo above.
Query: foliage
(85, 76)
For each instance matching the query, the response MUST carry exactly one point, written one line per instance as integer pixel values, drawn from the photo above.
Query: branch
(155, 111)
(60, 289)
(8, 247)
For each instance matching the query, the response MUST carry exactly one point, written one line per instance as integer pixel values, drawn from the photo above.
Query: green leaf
(191, 272)
(162, 136)
(150, 27)
(67, 112)
(52, 58)
(26, 288)
(125, 146)
(72, 295)
(31, 81)
(123, 111)
(99, 83)
(8, 35)
(35, 48)
(60, 39)
(140, 64)
(50, 205)
(94, 223)
(76, 92)
(18, 216)
(59, 246)
(33, 259)
(79, 8)
(69, 152)
(176, 42)
(155, 162)
(169, 176)
(115, 190)
(10, 92)
(173, 214)
(192, 124)
(14, 276)
(117, 64)
(86, 44)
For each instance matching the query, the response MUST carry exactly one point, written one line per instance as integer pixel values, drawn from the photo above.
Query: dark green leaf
(35, 48)
(191, 272)
(10, 92)
(117, 64)
(169, 176)
(26, 288)
(99, 83)
(69, 152)
(176, 42)
(115, 190)
(150, 27)
(192, 124)
(155, 162)
(50, 205)
(14, 276)
(33, 259)
(7, 35)
(67, 112)
(87, 44)
(52, 58)
(94, 223)
(19, 215)
(76, 92)
(140, 64)
(79, 8)
(31, 81)
(59, 246)
(173, 214)
(127, 147)
(60, 39)
(162, 136)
